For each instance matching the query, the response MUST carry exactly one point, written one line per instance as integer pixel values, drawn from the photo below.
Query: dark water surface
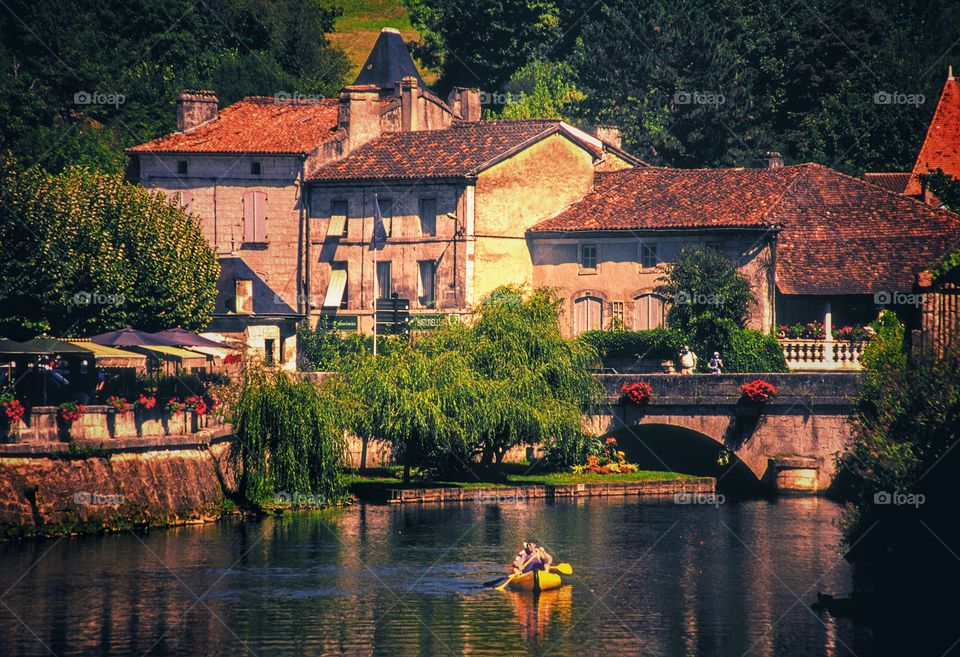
(649, 579)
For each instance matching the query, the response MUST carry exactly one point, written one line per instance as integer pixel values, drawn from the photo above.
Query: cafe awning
(48, 345)
(111, 356)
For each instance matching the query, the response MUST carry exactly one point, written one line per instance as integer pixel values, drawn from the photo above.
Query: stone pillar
(827, 332)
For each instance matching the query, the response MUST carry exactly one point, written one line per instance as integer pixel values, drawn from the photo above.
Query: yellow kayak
(526, 581)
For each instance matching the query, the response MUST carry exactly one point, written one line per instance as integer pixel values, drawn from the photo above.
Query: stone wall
(43, 425)
(137, 483)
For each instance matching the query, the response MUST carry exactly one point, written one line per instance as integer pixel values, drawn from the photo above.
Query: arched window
(587, 314)
(650, 311)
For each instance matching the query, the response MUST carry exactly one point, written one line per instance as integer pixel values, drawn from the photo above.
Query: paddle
(509, 578)
(562, 568)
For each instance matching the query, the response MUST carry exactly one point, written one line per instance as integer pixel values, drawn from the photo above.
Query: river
(733, 579)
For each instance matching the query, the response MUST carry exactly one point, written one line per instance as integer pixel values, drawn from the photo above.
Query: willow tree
(289, 437)
(536, 383)
(418, 401)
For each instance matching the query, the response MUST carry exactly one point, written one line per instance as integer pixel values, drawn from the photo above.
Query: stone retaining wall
(55, 489)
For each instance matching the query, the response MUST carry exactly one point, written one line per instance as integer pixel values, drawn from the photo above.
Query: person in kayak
(531, 557)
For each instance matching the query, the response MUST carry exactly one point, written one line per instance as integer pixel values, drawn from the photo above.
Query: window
(386, 211)
(428, 216)
(337, 294)
(182, 198)
(651, 312)
(715, 246)
(588, 256)
(426, 282)
(254, 217)
(338, 219)
(616, 314)
(268, 352)
(255, 168)
(587, 314)
(182, 167)
(648, 255)
(384, 281)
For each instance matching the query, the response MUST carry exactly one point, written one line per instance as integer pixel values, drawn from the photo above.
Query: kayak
(526, 581)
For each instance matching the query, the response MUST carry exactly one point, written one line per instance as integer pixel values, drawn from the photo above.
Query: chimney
(465, 101)
(359, 114)
(195, 107)
(609, 134)
(949, 71)
(769, 160)
(406, 88)
(243, 299)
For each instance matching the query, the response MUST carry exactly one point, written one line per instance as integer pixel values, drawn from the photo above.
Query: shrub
(659, 343)
(118, 404)
(752, 351)
(70, 412)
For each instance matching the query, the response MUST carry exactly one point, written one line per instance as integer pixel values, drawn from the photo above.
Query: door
(587, 314)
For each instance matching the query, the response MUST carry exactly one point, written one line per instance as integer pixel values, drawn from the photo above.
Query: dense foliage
(944, 187)
(899, 472)
(701, 82)
(466, 394)
(81, 79)
(289, 438)
(660, 343)
(85, 252)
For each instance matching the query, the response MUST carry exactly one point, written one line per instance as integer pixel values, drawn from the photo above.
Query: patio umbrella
(184, 338)
(8, 347)
(47, 345)
(129, 337)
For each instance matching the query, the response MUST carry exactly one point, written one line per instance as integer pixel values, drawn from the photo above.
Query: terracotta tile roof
(941, 147)
(895, 181)
(839, 234)
(845, 236)
(458, 151)
(657, 197)
(255, 125)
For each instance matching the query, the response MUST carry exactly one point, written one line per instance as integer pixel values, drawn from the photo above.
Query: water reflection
(377, 580)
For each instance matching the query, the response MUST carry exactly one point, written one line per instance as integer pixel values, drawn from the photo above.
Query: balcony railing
(822, 354)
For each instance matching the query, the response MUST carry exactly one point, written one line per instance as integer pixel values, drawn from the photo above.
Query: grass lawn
(362, 20)
(382, 479)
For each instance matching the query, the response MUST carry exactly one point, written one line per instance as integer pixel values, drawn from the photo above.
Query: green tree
(136, 56)
(945, 187)
(535, 382)
(289, 438)
(540, 90)
(85, 252)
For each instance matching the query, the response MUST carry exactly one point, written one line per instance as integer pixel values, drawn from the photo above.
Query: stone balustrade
(822, 354)
(99, 423)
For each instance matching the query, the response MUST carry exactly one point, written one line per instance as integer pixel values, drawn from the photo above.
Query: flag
(379, 230)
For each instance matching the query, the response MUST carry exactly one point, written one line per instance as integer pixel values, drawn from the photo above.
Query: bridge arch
(665, 446)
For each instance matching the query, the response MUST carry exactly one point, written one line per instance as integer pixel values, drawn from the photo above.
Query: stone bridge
(698, 424)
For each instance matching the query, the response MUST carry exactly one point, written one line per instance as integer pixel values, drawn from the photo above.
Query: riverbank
(385, 486)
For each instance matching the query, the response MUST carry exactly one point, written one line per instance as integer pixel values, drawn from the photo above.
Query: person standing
(688, 360)
(716, 364)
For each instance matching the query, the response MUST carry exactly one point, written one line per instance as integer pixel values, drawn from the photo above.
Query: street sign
(430, 322)
(339, 322)
(393, 316)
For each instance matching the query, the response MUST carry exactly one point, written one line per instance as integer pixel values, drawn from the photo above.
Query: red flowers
(146, 402)
(70, 412)
(638, 393)
(174, 405)
(758, 391)
(197, 404)
(230, 359)
(118, 404)
(14, 410)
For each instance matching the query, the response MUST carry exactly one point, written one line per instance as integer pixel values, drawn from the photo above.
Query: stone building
(283, 187)
(815, 245)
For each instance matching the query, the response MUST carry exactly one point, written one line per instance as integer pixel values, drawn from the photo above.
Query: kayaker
(531, 557)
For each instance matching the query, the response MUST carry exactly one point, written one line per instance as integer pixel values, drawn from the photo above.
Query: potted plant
(12, 416)
(67, 414)
(756, 393)
(638, 393)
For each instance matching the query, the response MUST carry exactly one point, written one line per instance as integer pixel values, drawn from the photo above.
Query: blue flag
(379, 230)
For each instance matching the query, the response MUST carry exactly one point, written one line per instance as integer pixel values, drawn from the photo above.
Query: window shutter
(248, 217)
(254, 217)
